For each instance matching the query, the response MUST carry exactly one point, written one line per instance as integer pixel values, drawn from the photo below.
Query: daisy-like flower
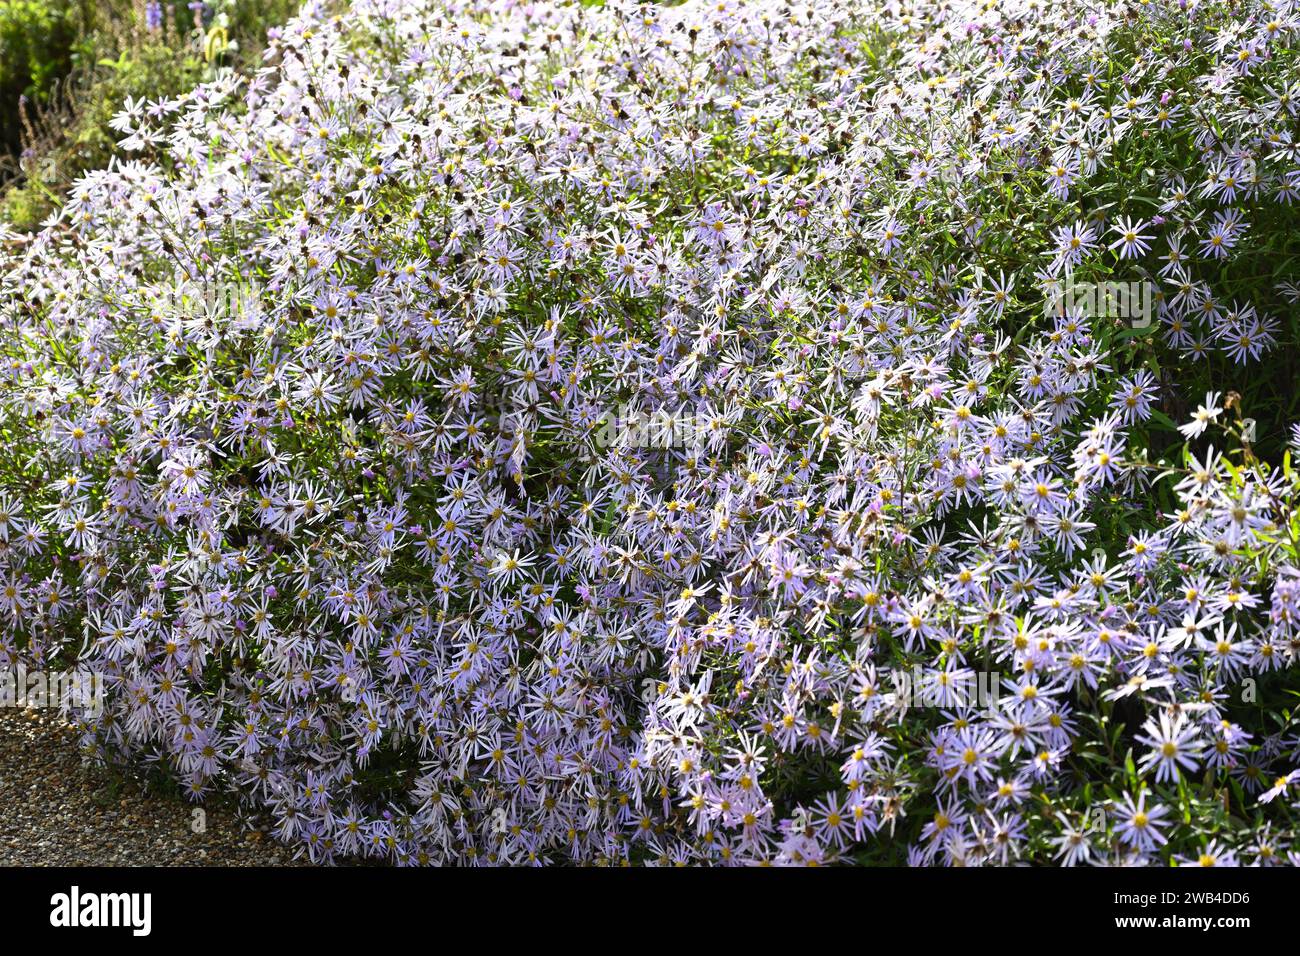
(1132, 243)
(1138, 825)
(1205, 413)
(511, 567)
(1175, 746)
(1281, 786)
(1212, 853)
(1073, 242)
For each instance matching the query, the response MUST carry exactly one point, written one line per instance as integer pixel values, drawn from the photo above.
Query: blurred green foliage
(36, 39)
(66, 66)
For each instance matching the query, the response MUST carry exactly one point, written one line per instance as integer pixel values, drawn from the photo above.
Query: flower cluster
(304, 414)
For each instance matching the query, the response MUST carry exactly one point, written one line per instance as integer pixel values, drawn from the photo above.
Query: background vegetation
(66, 66)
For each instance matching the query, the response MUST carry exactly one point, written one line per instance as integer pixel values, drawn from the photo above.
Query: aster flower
(1132, 242)
(1175, 745)
(1138, 825)
(1204, 415)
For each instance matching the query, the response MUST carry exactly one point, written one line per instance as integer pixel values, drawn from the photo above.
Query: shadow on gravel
(56, 810)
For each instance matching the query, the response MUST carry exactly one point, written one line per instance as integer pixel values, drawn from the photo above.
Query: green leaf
(1161, 418)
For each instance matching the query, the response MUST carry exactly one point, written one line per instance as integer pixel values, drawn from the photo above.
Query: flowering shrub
(307, 440)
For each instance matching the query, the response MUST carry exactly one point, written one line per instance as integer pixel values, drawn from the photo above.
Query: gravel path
(57, 811)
